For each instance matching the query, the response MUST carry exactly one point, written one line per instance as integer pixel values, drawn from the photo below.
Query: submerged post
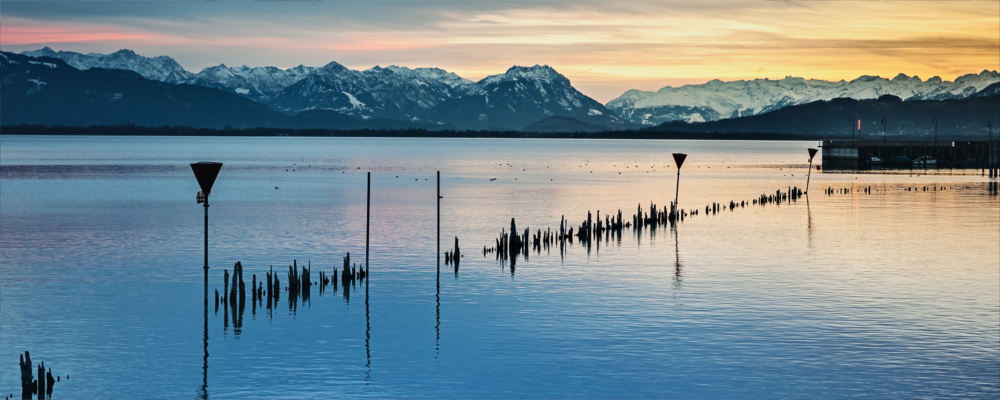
(679, 160)
(812, 153)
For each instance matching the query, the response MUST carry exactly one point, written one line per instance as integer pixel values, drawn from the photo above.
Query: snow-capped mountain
(390, 92)
(716, 100)
(520, 97)
(258, 83)
(515, 99)
(161, 68)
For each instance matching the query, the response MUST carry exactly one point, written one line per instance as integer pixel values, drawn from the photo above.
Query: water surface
(892, 294)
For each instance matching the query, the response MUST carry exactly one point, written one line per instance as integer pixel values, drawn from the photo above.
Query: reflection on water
(883, 293)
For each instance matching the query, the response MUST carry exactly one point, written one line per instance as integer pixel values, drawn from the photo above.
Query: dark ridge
(134, 130)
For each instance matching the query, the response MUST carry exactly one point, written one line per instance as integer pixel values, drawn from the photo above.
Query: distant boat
(924, 161)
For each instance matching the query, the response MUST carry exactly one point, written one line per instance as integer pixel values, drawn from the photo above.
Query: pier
(844, 154)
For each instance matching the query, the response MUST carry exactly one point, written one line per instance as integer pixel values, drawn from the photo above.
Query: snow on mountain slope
(390, 92)
(520, 97)
(258, 83)
(536, 92)
(161, 68)
(718, 100)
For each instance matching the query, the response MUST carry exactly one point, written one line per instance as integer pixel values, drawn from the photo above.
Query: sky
(603, 47)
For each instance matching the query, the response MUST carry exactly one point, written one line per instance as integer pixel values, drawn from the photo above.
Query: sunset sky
(604, 48)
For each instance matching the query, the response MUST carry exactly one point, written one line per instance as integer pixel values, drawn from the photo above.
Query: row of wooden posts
(513, 243)
(267, 291)
(30, 385)
(991, 187)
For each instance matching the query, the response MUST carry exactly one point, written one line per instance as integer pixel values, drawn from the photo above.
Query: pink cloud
(14, 35)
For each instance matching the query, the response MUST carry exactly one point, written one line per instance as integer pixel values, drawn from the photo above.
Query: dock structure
(845, 154)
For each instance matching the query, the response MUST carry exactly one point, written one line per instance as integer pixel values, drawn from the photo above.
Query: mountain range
(332, 96)
(510, 101)
(717, 100)
(887, 116)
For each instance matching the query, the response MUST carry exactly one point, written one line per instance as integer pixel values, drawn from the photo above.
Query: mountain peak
(536, 72)
(533, 72)
(333, 66)
(124, 52)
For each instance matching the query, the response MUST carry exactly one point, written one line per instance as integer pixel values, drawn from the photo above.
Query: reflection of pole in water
(809, 222)
(203, 393)
(368, 333)
(437, 316)
(368, 325)
(677, 259)
(439, 223)
(437, 291)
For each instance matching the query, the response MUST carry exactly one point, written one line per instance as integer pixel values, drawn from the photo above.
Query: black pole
(677, 190)
(204, 365)
(368, 219)
(206, 252)
(809, 173)
(437, 290)
(439, 221)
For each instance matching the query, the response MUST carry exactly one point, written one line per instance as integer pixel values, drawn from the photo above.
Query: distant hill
(965, 117)
(562, 124)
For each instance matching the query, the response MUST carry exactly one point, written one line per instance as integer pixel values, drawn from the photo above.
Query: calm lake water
(892, 294)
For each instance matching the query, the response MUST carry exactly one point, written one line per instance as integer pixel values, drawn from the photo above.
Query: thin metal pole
(809, 175)
(368, 219)
(439, 221)
(204, 366)
(677, 191)
(206, 250)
